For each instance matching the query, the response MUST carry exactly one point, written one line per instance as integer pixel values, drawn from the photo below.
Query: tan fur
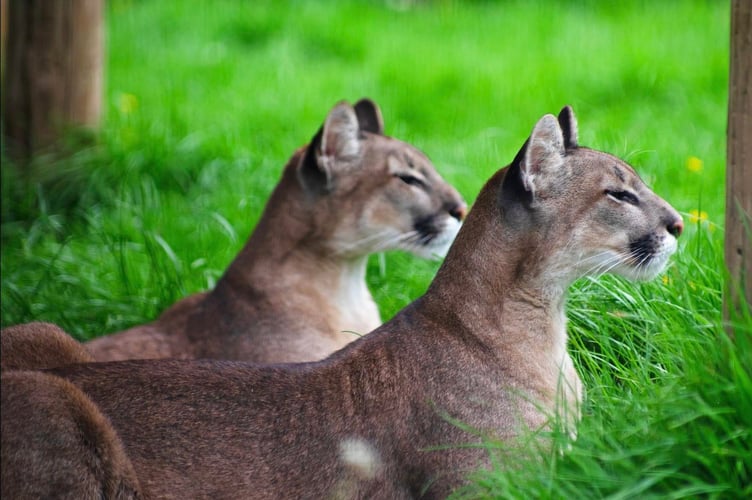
(485, 346)
(57, 444)
(39, 345)
(297, 290)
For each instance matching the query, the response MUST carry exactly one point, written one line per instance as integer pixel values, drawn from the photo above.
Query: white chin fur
(654, 267)
(440, 245)
(621, 265)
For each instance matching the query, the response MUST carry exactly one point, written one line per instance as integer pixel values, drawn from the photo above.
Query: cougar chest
(356, 310)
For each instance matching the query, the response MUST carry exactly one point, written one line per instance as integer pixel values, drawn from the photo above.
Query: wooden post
(53, 73)
(3, 30)
(738, 244)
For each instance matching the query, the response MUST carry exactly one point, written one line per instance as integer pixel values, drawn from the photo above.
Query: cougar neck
(286, 256)
(493, 280)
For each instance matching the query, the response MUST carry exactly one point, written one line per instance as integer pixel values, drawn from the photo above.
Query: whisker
(388, 239)
(344, 247)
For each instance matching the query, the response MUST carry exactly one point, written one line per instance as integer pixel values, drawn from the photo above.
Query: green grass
(206, 100)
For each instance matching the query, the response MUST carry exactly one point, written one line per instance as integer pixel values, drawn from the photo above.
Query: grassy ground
(206, 100)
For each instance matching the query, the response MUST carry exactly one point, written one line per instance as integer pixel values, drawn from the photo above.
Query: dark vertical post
(53, 73)
(738, 244)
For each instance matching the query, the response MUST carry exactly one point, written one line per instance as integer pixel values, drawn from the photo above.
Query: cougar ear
(335, 142)
(568, 124)
(543, 156)
(369, 116)
(340, 137)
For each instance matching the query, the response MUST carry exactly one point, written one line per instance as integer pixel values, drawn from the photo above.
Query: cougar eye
(410, 180)
(623, 196)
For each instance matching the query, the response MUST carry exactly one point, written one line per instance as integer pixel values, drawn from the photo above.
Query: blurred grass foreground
(206, 100)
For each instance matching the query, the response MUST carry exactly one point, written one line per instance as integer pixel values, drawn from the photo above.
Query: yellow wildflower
(127, 103)
(694, 164)
(696, 216)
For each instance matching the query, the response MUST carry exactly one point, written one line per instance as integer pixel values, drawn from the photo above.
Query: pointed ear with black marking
(369, 116)
(312, 178)
(543, 157)
(568, 124)
(336, 142)
(513, 189)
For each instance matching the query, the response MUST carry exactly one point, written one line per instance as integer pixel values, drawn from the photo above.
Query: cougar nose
(458, 211)
(675, 227)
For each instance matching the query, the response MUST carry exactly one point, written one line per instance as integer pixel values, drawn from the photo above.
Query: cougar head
(590, 209)
(372, 192)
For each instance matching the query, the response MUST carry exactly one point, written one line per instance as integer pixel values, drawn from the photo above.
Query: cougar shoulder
(34, 346)
(57, 444)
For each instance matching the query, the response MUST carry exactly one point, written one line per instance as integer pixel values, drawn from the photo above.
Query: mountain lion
(297, 290)
(486, 346)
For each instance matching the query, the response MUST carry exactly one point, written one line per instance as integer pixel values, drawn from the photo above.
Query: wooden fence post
(3, 28)
(738, 244)
(53, 71)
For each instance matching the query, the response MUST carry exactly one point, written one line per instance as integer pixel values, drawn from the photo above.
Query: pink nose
(458, 212)
(676, 227)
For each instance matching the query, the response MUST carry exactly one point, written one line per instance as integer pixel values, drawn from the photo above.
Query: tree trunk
(738, 245)
(53, 73)
(3, 30)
